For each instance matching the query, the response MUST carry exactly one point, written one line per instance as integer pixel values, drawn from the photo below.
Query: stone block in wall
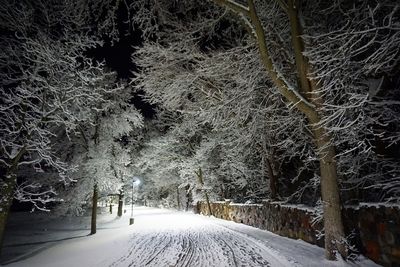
(373, 250)
(379, 233)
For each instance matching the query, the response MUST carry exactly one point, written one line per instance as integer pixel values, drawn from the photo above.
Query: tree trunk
(7, 187)
(208, 204)
(223, 191)
(201, 181)
(330, 193)
(189, 197)
(94, 211)
(309, 105)
(273, 182)
(333, 224)
(120, 203)
(6, 198)
(178, 198)
(268, 171)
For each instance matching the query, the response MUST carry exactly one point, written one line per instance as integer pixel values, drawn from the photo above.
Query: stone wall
(379, 233)
(376, 229)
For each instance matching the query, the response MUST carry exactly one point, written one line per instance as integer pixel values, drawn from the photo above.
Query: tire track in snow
(274, 255)
(155, 253)
(135, 242)
(186, 255)
(201, 244)
(143, 250)
(232, 251)
(244, 252)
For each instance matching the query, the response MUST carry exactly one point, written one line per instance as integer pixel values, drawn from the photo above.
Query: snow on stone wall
(376, 229)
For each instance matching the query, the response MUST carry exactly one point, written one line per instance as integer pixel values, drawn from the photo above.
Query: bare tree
(343, 49)
(103, 166)
(48, 86)
(362, 106)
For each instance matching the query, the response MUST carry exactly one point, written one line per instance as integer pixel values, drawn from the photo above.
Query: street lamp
(135, 181)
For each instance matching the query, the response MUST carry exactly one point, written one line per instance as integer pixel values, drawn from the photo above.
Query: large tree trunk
(330, 193)
(333, 224)
(120, 203)
(94, 211)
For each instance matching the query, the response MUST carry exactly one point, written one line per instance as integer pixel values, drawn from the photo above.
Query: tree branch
(283, 5)
(282, 85)
(234, 6)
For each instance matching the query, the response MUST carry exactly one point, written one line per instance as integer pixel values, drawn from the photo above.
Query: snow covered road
(167, 238)
(188, 240)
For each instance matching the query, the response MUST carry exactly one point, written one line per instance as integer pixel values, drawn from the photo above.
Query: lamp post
(135, 181)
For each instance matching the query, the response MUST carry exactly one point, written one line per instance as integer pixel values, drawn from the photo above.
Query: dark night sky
(118, 57)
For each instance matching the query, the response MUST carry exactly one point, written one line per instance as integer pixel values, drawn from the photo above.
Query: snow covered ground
(158, 238)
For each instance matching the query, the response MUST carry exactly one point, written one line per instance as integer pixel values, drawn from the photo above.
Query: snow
(296, 206)
(376, 205)
(159, 237)
(379, 204)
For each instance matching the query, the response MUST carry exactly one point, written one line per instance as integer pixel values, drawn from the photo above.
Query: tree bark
(330, 193)
(94, 211)
(302, 65)
(120, 203)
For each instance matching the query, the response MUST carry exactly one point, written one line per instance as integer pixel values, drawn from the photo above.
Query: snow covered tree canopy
(197, 60)
(50, 89)
(291, 100)
(199, 65)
